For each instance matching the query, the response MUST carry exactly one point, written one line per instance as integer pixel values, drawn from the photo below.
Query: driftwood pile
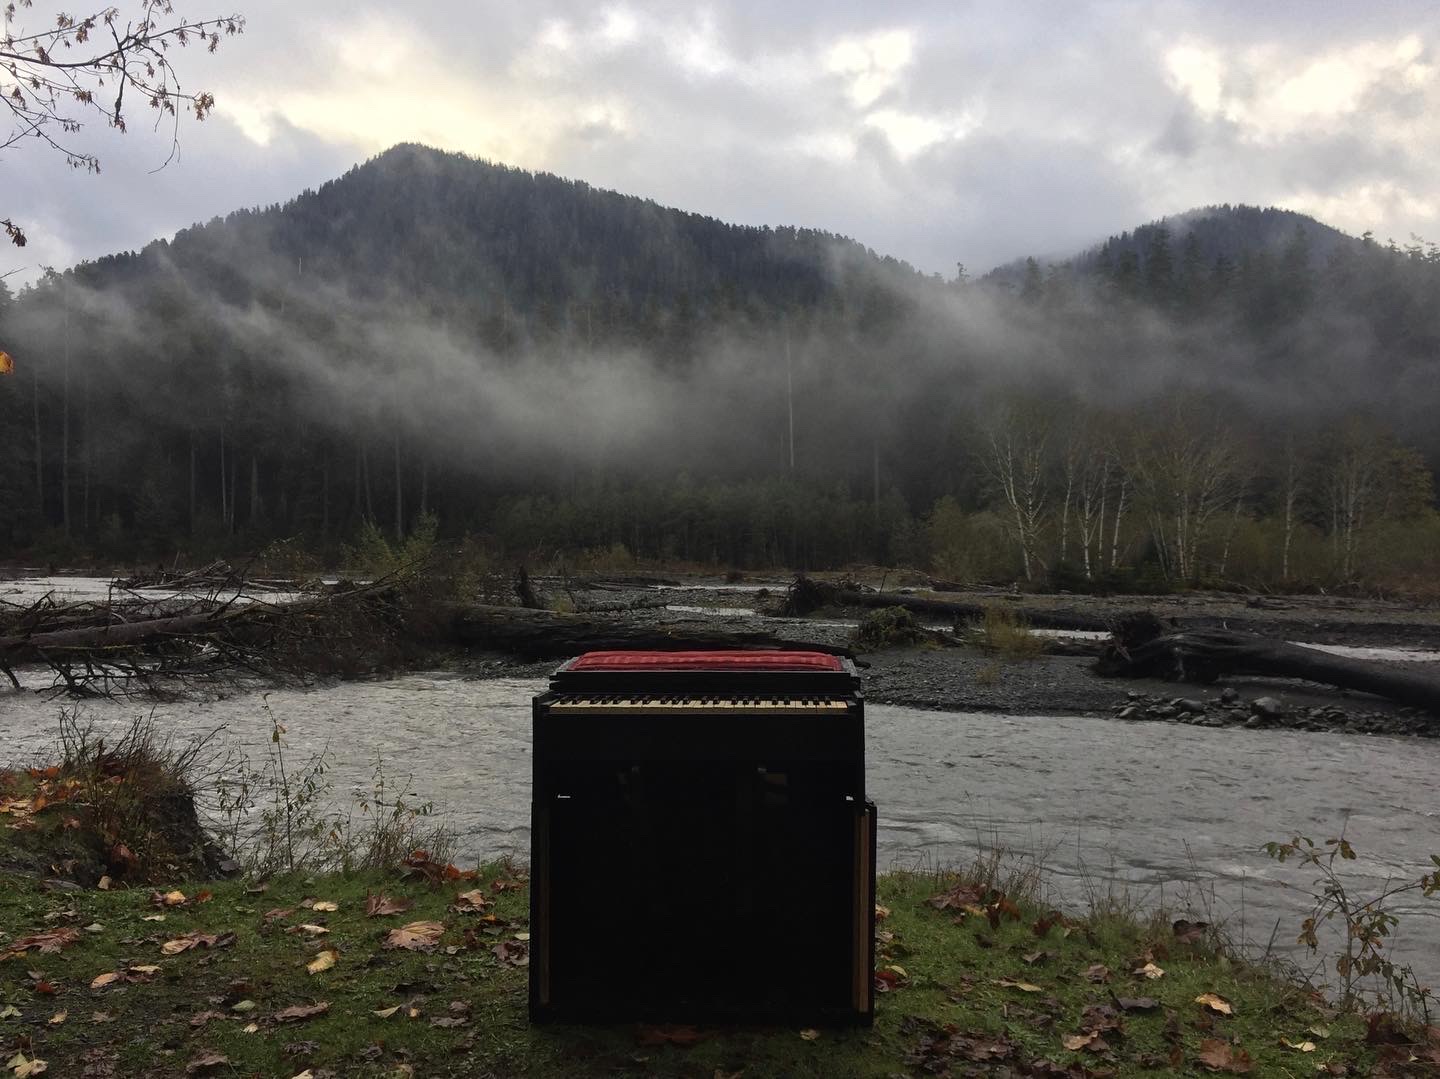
(1144, 647)
(132, 643)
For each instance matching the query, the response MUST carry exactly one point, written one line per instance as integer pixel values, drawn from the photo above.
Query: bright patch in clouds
(1272, 93)
(871, 65)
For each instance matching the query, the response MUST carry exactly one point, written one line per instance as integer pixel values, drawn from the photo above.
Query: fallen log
(1143, 649)
(536, 634)
(807, 594)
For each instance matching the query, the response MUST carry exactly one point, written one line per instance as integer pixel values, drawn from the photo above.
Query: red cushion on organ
(706, 661)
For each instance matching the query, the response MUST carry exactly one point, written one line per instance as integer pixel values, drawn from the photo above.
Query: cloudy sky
(937, 132)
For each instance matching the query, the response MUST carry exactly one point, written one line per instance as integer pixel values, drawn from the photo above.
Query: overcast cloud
(936, 132)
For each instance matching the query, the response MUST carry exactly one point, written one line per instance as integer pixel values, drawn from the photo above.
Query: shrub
(1008, 634)
(887, 628)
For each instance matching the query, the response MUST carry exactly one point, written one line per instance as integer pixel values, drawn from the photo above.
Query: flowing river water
(1165, 814)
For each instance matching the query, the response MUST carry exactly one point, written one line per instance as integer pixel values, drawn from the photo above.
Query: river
(1167, 814)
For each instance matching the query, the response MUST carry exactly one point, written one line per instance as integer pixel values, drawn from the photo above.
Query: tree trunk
(807, 594)
(547, 635)
(39, 444)
(1144, 650)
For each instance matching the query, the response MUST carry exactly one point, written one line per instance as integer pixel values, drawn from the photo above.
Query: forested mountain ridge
(557, 368)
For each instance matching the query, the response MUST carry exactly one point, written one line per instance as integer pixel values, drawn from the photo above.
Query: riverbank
(375, 975)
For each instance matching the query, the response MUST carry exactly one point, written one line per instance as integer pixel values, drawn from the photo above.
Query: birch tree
(1016, 447)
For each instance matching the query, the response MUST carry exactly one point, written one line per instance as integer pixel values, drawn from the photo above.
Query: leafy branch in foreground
(1367, 974)
(63, 73)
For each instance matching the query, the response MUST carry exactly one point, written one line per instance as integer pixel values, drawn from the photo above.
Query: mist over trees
(1235, 394)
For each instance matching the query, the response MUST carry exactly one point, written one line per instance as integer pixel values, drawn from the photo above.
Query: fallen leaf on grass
(22, 1067)
(9, 1012)
(301, 1012)
(881, 912)
(102, 980)
(323, 961)
(1024, 987)
(386, 1013)
(1149, 970)
(146, 969)
(153, 918)
(47, 943)
(1189, 932)
(668, 1035)
(1319, 1031)
(1215, 1003)
(101, 1017)
(471, 902)
(167, 899)
(416, 937)
(307, 930)
(197, 939)
(1137, 1004)
(250, 1028)
(1090, 1040)
(379, 906)
(323, 905)
(512, 953)
(957, 898)
(94, 927)
(444, 1023)
(1098, 973)
(206, 1062)
(306, 1074)
(58, 1018)
(1221, 1056)
(810, 1034)
(243, 1006)
(1303, 1047)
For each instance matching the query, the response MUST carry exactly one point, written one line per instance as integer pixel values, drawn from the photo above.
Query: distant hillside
(1225, 233)
(505, 252)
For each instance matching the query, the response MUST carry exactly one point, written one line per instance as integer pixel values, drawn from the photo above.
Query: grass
(1007, 634)
(93, 983)
(945, 975)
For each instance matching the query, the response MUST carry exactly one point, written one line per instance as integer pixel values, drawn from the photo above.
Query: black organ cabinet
(702, 849)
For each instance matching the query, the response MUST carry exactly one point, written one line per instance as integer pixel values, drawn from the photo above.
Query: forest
(558, 373)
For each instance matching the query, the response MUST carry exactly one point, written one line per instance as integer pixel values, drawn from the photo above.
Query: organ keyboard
(718, 800)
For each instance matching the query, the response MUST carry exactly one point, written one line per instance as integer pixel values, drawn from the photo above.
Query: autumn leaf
(324, 906)
(1221, 1056)
(9, 1012)
(415, 937)
(301, 1012)
(197, 939)
(22, 1067)
(1097, 973)
(1215, 1003)
(810, 1034)
(58, 1018)
(167, 899)
(1025, 987)
(386, 1013)
(1137, 1004)
(957, 898)
(379, 906)
(1189, 932)
(323, 961)
(471, 902)
(512, 953)
(1090, 1040)
(153, 918)
(102, 980)
(47, 943)
(148, 968)
(1302, 1047)
(206, 1062)
(308, 930)
(1149, 970)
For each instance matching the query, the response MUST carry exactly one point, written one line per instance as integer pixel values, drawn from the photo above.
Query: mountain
(560, 368)
(1208, 234)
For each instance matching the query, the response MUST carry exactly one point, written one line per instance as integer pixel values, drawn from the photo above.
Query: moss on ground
(960, 990)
